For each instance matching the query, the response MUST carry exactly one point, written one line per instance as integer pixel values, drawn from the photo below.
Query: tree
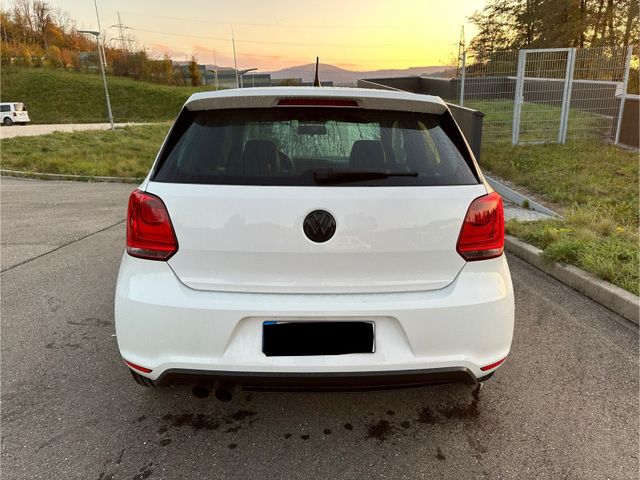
(494, 30)
(194, 71)
(167, 69)
(54, 56)
(515, 24)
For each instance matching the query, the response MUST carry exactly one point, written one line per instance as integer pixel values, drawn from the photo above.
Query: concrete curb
(518, 198)
(75, 178)
(614, 298)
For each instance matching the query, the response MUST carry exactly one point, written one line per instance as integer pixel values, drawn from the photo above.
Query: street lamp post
(240, 73)
(102, 70)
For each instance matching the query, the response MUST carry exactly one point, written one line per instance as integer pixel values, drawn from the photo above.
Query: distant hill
(341, 76)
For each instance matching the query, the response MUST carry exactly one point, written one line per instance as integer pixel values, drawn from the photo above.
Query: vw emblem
(319, 226)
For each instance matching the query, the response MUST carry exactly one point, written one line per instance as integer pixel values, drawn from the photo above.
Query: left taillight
(150, 233)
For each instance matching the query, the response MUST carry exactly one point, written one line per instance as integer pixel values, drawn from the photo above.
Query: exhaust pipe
(223, 394)
(200, 391)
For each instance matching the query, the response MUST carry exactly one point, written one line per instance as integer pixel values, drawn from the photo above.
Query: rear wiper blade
(330, 176)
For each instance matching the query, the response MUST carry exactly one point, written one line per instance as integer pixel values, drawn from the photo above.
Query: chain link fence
(546, 95)
(487, 84)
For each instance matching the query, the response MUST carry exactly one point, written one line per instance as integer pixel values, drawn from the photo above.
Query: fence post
(463, 77)
(518, 98)
(625, 81)
(566, 95)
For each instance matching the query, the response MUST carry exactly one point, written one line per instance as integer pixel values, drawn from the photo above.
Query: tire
(140, 380)
(7, 122)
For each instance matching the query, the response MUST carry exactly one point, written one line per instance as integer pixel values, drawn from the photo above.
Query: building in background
(225, 77)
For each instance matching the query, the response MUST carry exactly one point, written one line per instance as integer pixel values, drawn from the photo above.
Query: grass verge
(123, 152)
(597, 187)
(58, 96)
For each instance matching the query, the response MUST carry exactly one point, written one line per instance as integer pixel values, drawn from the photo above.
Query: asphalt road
(564, 405)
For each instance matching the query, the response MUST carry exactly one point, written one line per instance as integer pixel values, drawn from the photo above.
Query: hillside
(58, 96)
(344, 76)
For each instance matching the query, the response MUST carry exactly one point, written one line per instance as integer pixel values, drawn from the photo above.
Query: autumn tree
(194, 71)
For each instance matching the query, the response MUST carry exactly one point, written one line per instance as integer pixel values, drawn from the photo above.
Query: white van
(13, 112)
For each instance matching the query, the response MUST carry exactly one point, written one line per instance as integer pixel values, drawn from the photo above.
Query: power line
(254, 55)
(297, 59)
(279, 25)
(259, 42)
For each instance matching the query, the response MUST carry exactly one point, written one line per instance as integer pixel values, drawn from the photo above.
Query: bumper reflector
(492, 365)
(138, 367)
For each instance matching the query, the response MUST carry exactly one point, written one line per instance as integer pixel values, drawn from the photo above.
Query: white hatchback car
(13, 112)
(314, 238)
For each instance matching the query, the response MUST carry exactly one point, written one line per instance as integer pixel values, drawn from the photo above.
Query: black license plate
(296, 339)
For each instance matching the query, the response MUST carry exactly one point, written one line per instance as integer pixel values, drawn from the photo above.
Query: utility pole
(215, 70)
(122, 38)
(462, 58)
(461, 48)
(235, 61)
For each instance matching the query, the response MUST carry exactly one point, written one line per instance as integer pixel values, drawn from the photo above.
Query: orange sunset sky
(356, 34)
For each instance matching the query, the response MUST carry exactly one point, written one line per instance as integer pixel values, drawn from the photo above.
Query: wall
(408, 84)
(470, 122)
(598, 97)
(630, 131)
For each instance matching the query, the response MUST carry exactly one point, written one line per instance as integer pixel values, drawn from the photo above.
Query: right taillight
(482, 233)
(150, 234)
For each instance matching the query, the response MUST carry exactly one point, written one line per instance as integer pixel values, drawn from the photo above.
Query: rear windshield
(293, 146)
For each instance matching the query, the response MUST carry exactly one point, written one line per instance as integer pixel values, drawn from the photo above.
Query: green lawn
(123, 152)
(596, 186)
(58, 96)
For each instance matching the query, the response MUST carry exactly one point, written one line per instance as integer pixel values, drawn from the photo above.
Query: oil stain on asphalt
(392, 426)
(200, 421)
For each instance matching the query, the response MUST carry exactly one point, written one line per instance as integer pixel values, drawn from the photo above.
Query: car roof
(266, 97)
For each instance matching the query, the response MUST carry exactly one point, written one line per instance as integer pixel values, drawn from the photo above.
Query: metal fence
(547, 95)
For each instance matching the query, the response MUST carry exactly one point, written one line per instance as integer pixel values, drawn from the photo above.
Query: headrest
(367, 154)
(260, 157)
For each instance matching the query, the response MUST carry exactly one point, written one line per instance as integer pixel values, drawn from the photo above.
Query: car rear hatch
(239, 185)
(20, 113)
(252, 238)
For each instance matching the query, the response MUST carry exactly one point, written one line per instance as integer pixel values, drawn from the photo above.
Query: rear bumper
(319, 381)
(420, 337)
